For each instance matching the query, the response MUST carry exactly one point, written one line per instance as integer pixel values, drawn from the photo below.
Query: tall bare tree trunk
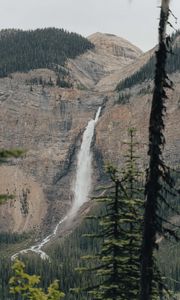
(156, 165)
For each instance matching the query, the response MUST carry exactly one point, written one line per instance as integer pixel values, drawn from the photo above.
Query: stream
(82, 187)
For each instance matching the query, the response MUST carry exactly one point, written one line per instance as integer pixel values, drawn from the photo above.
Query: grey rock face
(48, 122)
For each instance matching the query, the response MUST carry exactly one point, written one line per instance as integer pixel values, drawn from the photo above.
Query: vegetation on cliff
(41, 48)
(124, 225)
(147, 71)
(116, 267)
(4, 156)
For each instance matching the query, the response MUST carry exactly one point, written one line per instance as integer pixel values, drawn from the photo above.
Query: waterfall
(81, 188)
(82, 185)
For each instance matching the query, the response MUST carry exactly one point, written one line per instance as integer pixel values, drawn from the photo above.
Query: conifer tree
(118, 265)
(158, 175)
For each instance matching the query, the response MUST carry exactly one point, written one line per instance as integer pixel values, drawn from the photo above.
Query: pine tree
(117, 264)
(133, 185)
(158, 176)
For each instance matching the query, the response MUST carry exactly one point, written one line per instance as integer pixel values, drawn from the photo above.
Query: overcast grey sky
(135, 20)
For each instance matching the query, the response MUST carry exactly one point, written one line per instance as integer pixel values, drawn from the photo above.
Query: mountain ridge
(48, 121)
(111, 53)
(23, 50)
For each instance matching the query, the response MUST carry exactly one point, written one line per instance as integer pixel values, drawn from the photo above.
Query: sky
(134, 20)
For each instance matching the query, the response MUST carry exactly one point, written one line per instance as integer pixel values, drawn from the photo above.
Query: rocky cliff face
(48, 122)
(112, 129)
(110, 55)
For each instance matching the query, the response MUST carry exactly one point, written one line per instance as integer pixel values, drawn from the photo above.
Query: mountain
(45, 113)
(47, 121)
(111, 54)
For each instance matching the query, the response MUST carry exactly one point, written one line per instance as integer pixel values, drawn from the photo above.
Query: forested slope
(147, 71)
(41, 48)
(65, 253)
(65, 256)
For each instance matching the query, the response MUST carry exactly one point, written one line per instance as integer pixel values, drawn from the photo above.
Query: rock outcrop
(110, 55)
(48, 122)
(111, 132)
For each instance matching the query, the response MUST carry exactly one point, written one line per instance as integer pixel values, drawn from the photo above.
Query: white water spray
(37, 248)
(81, 189)
(84, 167)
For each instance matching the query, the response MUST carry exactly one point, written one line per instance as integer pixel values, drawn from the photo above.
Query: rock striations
(48, 122)
(110, 55)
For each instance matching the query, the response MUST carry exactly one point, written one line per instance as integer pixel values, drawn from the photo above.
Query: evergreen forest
(146, 73)
(127, 246)
(21, 51)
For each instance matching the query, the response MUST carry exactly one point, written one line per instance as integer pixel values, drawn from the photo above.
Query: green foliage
(42, 48)
(65, 256)
(116, 265)
(61, 82)
(25, 286)
(4, 156)
(5, 197)
(81, 87)
(7, 238)
(39, 81)
(123, 98)
(147, 71)
(145, 90)
(144, 74)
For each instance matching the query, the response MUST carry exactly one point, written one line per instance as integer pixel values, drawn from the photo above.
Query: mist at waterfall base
(81, 187)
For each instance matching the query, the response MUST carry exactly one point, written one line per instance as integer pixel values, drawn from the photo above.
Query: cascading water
(37, 248)
(82, 186)
(84, 167)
